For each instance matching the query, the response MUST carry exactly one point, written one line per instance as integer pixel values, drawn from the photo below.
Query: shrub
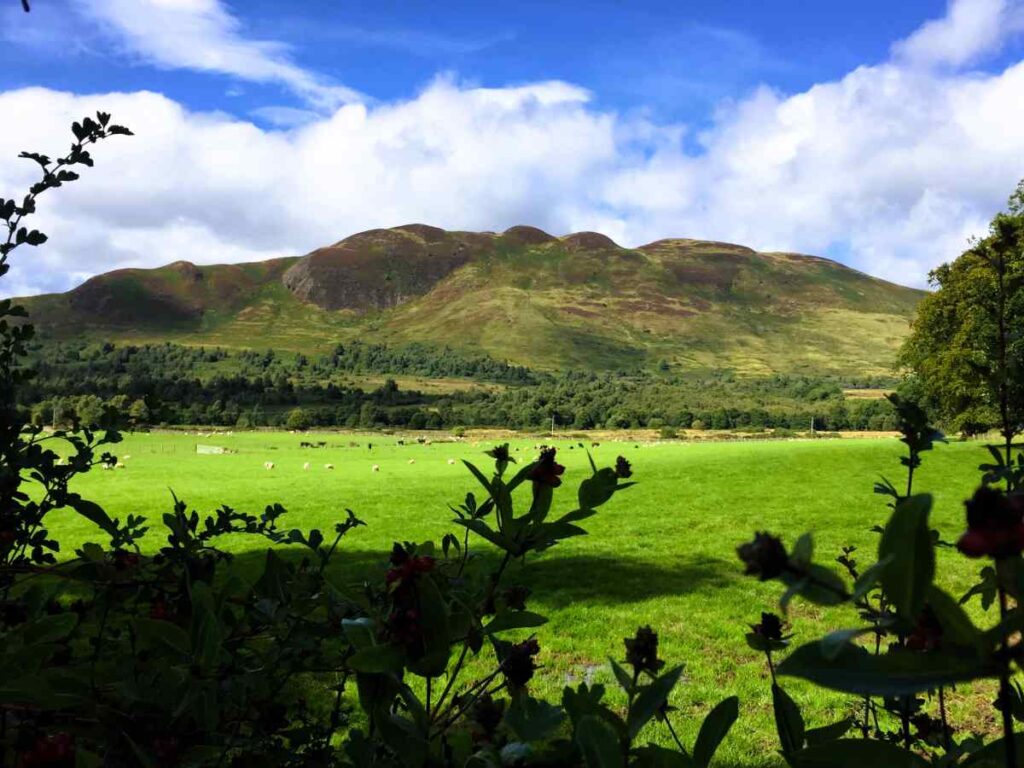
(668, 433)
(298, 418)
(919, 639)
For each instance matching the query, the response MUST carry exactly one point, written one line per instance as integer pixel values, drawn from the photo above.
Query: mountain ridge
(522, 295)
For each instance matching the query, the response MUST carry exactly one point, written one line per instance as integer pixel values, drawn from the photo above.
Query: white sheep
(268, 465)
(412, 461)
(126, 457)
(119, 465)
(306, 465)
(328, 466)
(451, 461)
(376, 467)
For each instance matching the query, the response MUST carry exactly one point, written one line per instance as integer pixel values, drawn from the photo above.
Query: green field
(661, 553)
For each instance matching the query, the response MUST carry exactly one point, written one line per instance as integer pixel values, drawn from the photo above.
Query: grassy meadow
(660, 553)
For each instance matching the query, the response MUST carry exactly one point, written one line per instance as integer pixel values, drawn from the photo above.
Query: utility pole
(552, 426)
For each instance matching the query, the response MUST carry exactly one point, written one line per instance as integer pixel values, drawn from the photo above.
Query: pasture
(660, 553)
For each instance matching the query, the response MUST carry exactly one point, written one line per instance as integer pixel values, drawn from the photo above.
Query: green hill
(522, 296)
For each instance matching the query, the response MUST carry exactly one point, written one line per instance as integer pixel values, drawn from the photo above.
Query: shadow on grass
(555, 579)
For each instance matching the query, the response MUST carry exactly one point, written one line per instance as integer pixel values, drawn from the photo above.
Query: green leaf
(376, 659)
(164, 633)
(817, 583)
(788, 721)
(994, 755)
(907, 540)
(828, 733)
(514, 620)
(436, 636)
(715, 727)
(896, 673)
(479, 476)
(531, 719)
(93, 553)
(205, 631)
(598, 743)
(273, 583)
(482, 529)
(92, 512)
(956, 625)
(624, 678)
(856, 753)
(359, 632)
(650, 699)
(503, 504)
(520, 476)
(48, 629)
(869, 578)
(834, 643)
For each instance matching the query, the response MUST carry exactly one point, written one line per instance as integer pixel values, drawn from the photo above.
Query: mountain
(522, 295)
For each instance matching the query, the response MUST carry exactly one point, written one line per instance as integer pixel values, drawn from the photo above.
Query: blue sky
(673, 60)
(877, 133)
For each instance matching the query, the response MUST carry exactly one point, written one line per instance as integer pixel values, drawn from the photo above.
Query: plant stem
(942, 716)
(905, 720)
(429, 679)
(672, 730)
(452, 677)
(1004, 686)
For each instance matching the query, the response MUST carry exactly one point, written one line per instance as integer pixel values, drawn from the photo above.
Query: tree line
(177, 385)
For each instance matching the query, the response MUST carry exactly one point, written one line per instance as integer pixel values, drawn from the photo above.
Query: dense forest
(180, 385)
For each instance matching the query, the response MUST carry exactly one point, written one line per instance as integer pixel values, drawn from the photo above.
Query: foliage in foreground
(115, 657)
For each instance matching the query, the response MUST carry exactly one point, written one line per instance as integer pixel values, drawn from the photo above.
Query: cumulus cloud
(971, 29)
(890, 168)
(202, 35)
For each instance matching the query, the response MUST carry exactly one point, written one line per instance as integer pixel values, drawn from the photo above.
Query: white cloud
(971, 29)
(202, 35)
(891, 167)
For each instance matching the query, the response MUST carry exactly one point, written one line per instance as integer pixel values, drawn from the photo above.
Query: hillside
(522, 296)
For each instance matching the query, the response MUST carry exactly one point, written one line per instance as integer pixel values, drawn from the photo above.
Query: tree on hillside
(298, 419)
(966, 347)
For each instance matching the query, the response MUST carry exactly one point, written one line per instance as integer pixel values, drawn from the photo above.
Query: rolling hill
(522, 295)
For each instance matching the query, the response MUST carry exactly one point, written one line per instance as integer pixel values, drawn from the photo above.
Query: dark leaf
(714, 729)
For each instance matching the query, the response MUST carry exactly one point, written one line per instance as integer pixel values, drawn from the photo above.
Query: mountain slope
(522, 295)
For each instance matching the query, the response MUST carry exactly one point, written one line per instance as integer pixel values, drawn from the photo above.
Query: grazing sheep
(328, 466)
(451, 461)
(412, 461)
(426, 442)
(119, 465)
(126, 457)
(268, 465)
(306, 465)
(376, 467)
